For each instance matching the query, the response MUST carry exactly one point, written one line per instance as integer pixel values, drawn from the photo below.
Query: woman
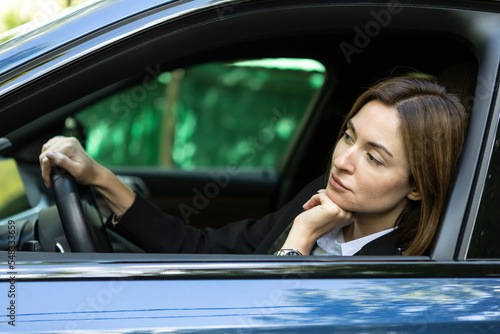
(391, 169)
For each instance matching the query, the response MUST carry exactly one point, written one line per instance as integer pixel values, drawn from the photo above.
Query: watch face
(293, 253)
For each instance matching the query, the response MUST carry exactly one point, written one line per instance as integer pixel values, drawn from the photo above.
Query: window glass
(244, 113)
(486, 235)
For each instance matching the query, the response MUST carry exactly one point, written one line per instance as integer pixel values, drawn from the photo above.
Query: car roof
(37, 38)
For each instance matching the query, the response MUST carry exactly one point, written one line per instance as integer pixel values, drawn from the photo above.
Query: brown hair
(433, 125)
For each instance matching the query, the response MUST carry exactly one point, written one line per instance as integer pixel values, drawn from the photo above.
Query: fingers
(46, 168)
(50, 159)
(45, 164)
(312, 202)
(321, 207)
(317, 199)
(53, 143)
(55, 153)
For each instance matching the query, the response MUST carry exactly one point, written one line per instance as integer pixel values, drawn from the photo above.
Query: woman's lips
(337, 183)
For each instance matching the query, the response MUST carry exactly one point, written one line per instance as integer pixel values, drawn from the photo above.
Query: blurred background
(14, 13)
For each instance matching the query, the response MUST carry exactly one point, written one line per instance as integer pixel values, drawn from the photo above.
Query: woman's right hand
(67, 153)
(321, 216)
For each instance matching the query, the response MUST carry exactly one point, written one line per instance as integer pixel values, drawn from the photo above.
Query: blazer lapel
(385, 245)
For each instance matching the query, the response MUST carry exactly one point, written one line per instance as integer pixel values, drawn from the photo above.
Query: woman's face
(370, 172)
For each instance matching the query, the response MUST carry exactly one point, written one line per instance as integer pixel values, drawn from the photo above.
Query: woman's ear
(414, 195)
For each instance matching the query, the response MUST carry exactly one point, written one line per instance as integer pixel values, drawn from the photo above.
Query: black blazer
(154, 231)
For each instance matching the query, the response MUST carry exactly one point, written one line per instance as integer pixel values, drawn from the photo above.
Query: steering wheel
(80, 217)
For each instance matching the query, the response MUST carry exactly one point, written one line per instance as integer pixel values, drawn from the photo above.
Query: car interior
(400, 49)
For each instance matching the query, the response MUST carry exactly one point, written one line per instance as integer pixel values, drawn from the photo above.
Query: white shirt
(333, 243)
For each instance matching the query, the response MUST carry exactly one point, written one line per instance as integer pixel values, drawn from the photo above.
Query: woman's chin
(339, 199)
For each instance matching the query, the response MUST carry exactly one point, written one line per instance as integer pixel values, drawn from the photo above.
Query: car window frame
(490, 134)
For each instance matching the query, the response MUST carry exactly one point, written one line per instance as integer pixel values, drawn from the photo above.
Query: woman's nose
(345, 161)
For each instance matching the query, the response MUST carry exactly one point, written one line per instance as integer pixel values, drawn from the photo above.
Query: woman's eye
(348, 138)
(372, 159)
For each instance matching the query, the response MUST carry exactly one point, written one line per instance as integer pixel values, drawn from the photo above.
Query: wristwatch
(288, 252)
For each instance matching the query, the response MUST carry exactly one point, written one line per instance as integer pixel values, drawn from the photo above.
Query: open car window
(243, 113)
(269, 121)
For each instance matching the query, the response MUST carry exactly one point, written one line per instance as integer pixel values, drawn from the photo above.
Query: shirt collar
(333, 242)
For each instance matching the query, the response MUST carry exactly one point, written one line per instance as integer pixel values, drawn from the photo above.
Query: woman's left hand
(321, 216)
